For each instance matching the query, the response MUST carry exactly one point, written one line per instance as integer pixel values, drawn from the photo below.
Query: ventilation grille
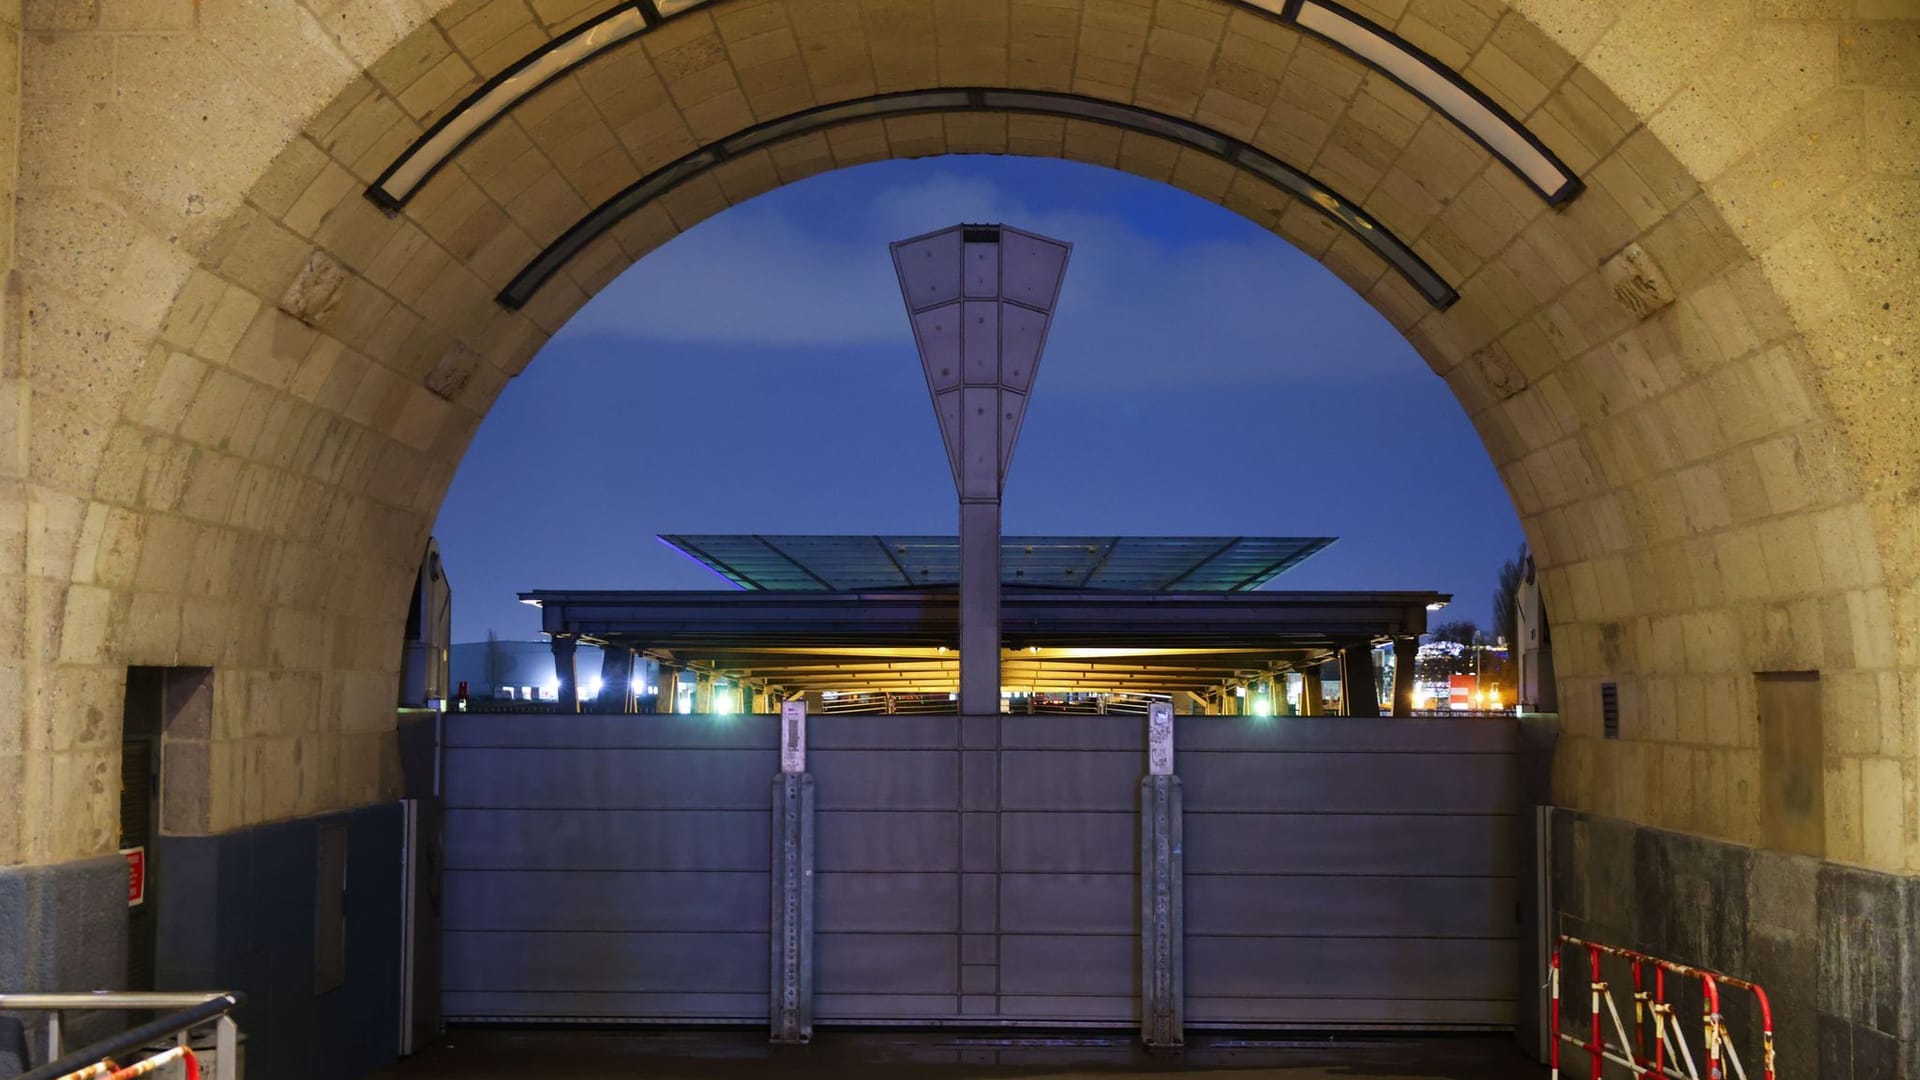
(1610, 709)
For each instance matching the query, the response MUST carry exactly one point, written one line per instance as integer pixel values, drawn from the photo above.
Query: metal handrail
(193, 1010)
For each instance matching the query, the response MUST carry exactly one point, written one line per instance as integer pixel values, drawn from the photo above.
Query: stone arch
(239, 387)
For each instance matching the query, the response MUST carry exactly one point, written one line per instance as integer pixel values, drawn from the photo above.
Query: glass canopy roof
(1109, 563)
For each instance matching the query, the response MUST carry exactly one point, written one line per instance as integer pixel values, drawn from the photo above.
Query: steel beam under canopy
(980, 298)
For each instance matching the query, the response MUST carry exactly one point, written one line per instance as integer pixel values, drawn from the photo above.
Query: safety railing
(99, 1059)
(1663, 1051)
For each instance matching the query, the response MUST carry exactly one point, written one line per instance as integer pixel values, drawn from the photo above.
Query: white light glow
(593, 689)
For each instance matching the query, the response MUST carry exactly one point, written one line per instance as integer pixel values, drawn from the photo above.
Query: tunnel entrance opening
(1349, 872)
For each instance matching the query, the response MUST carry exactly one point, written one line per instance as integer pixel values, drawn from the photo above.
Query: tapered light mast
(980, 298)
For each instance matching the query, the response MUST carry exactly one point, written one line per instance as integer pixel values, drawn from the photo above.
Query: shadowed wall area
(236, 386)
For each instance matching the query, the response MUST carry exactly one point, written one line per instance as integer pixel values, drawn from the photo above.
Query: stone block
(1692, 896)
(64, 926)
(1866, 945)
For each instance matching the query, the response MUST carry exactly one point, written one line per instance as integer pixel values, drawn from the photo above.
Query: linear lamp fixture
(1330, 203)
(472, 116)
(1442, 87)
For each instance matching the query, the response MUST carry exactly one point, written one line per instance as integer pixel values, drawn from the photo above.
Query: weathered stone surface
(1714, 478)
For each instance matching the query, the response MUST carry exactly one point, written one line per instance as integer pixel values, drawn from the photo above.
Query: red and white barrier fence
(1670, 1051)
(105, 1069)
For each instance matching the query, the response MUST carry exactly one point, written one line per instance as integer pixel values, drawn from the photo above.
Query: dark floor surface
(590, 1054)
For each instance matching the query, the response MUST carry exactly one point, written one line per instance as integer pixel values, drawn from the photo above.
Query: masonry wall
(236, 390)
(1834, 946)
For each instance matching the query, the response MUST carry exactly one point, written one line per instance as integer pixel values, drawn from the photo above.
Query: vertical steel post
(1406, 654)
(568, 695)
(790, 1011)
(1598, 987)
(1162, 916)
(980, 608)
(1312, 690)
(616, 675)
(226, 1048)
(1359, 693)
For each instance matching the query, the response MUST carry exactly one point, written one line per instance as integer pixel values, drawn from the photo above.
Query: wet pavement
(599, 1054)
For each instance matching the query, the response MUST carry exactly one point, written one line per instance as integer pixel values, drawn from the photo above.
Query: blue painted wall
(237, 913)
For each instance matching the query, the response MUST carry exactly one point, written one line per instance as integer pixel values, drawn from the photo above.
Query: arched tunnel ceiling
(1456, 98)
(249, 387)
(1331, 204)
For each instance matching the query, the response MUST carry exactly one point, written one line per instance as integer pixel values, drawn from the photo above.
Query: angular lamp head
(980, 298)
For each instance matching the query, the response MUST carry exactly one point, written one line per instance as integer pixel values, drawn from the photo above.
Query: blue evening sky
(757, 375)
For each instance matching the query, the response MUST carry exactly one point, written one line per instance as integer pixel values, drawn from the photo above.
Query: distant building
(517, 670)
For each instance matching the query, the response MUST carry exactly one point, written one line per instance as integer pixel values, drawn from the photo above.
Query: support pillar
(980, 608)
(666, 693)
(1406, 652)
(1313, 693)
(702, 692)
(790, 1008)
(1358, 689)
(616, 679)
(568, 694)
(1162, 914)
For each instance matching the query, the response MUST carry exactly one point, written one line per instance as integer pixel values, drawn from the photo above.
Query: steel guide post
(1162, 914)
(790, 1010)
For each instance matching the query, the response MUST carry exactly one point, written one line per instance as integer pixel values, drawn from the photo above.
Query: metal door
(607, 867)
(1349, 872)
(976, 871)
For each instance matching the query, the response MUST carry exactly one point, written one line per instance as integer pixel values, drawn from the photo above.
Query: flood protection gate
(1338, 872)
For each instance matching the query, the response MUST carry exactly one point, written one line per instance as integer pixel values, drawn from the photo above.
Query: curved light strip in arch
(1483, 120)
(1322, 198)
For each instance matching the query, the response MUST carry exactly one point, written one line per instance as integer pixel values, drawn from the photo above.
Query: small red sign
(1460, 690)
(136, 875)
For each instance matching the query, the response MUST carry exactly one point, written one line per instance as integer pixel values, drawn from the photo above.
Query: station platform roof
(1053, 639)
(1203, 564)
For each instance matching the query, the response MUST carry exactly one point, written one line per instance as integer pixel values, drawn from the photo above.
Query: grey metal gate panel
(990, 881)
(1349, 872)
(887, 836)
(607, 867)
(1069, 887)
(1339, 872)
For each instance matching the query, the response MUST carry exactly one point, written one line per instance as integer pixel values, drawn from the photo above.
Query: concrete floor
(496, 1054)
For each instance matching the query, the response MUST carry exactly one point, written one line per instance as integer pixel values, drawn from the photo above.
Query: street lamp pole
(980, 298)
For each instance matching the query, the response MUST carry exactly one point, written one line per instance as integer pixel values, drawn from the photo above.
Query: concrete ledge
(64, 928)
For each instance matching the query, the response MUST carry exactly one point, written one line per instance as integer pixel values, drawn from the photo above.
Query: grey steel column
(666, 696)
(616, 676)
(1162, 918)
(568, 693)
(979, 608)
(790, 1008)
(1358, 690)
(1313, 693)
(1406, 654)
(980, 298)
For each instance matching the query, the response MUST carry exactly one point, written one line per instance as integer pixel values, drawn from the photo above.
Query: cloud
(1137, 310)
